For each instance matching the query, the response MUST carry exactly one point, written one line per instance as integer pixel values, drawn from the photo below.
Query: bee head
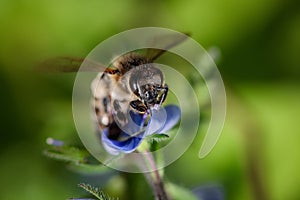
(147, 83)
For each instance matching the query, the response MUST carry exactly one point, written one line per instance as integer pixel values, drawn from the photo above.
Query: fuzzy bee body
(132, 82)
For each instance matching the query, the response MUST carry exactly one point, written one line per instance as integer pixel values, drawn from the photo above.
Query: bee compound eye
(133, 81)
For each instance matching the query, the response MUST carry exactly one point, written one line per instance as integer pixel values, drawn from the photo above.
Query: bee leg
(138, 106)
(164, 92)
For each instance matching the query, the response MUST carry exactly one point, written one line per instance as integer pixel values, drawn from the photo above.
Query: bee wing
(69, 64)
(165, 43)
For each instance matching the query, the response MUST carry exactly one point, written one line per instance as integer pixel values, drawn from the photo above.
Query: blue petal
(53, 142)
(114, 146)
(135, 121)
(162, 120)
(173, 116)
(136, 117)
(157, 120)
(210, 192)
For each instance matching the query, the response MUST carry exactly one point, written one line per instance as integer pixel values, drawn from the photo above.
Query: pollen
(104, 120)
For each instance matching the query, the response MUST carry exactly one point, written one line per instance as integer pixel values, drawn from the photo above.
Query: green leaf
(96, 192)
(157, 138)
(67, 154)
(89, 169)
(79, 160)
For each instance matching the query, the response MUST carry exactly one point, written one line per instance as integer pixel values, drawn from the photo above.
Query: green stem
(155, 179)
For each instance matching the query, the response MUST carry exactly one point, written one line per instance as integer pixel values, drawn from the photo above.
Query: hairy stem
(154, 179)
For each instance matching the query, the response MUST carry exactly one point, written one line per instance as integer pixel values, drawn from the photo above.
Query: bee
(131, 82)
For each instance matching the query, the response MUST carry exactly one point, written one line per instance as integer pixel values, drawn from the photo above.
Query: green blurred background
(257, 156)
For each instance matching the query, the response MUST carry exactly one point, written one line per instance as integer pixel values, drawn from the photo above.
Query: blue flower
(161, 120)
